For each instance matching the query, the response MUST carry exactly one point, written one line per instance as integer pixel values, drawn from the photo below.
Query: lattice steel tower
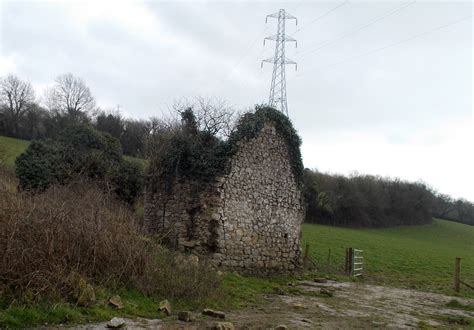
(277, 97)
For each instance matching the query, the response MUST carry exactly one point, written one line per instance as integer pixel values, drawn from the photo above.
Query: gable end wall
(248, 220)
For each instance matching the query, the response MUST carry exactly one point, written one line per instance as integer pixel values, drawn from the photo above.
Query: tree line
(357, 200)
(68, 101)
(373, 201)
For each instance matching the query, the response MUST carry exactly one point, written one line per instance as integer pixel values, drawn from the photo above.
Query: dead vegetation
(62, 243)
(8, 181)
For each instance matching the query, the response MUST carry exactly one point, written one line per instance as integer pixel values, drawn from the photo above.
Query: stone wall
(248, 219)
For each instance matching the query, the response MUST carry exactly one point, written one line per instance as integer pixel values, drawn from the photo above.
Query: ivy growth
(252, 123)
(191, 154)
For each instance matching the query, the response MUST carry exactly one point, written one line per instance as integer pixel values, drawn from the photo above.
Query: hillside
(10, 148)
(418, 257)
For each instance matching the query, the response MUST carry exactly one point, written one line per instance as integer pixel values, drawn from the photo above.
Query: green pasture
(417, 257)
(10, 148)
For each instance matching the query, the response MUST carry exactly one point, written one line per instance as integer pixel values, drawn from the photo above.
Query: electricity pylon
(277, 97)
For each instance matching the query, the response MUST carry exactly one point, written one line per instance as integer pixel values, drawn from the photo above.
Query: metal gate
(357, 262)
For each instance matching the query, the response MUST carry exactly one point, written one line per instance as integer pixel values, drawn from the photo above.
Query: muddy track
(353, 305)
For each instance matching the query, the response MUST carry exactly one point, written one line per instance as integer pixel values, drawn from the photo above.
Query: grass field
(418, 257)
(10, 148)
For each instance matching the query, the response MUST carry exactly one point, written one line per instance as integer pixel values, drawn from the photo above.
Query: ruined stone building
(247, 218)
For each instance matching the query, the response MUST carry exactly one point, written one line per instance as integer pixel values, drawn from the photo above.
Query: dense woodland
(67, 118)
(372, 201)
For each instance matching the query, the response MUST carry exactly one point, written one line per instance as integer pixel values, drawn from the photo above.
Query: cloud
(405, 111)
(7, 64)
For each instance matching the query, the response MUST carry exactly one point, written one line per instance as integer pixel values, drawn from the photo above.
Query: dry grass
(52, 243)
(8, 181)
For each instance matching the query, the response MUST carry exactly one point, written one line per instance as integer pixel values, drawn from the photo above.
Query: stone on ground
(165, 307)
(116, 322)
(281, 327)
(223, 326)
(213, 313)
(185, 316)
(116, 301)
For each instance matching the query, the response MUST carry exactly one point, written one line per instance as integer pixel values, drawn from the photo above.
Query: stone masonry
(248, 219)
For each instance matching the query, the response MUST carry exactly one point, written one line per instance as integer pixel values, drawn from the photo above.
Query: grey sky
(381, 88)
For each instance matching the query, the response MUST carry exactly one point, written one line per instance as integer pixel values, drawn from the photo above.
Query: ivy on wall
(190, 154)
(252, 123)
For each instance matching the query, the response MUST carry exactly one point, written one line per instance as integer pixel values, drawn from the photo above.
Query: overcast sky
(382, 87)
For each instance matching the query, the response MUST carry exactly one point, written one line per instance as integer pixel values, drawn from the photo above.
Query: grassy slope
(420, 257)
(10, 148)
(236, 292)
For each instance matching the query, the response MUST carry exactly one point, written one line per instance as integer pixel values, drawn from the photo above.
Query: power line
(321, 16)
(297, 5)
(374, 20)
(358, 28)
(247, 51)
(395, 43)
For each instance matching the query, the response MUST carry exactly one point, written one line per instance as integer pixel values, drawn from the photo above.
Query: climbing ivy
(251, 124)
(188, 153)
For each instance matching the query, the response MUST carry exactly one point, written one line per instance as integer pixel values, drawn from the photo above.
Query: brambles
(62, 243)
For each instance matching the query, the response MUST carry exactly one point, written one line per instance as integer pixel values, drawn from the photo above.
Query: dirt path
(356, 305)
(353, 305)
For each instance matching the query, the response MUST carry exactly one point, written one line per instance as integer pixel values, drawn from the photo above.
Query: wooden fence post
(329, 262)
(457, 274)
(305, 257)
(350, 262)
(346, 265)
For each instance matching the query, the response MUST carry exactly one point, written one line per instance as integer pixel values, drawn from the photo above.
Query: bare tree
(213, 116)
(70, 95)
(16, 97)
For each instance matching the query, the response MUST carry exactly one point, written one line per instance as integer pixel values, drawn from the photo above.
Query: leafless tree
(214, 116)
(16, 97)
(70, 95)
